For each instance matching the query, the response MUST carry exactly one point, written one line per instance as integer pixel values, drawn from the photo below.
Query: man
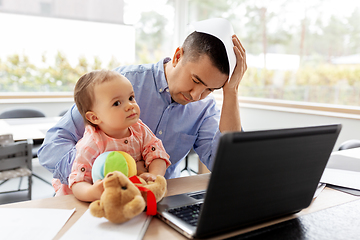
(173, 98)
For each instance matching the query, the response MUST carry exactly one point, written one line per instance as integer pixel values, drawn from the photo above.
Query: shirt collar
(159, 75)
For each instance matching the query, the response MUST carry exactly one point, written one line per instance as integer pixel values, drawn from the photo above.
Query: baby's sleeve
(86, 152)
(153, 148)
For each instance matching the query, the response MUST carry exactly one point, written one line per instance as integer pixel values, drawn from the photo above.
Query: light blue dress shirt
(180, 127)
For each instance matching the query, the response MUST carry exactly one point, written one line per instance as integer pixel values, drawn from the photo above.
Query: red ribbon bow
(150, 199)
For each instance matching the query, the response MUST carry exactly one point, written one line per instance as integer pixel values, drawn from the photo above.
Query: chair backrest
(17, 154)
(21, 113)
(62, 113)
(353, 143)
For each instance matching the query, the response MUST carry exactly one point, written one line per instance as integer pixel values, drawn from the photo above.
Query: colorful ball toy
(113, 161)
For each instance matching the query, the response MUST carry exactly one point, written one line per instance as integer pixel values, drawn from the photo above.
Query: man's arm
(58, 150)
(230, 114)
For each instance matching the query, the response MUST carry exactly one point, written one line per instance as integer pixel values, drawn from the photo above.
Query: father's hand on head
(240, 67)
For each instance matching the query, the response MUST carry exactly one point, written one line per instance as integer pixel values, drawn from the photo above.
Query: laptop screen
(265, 174)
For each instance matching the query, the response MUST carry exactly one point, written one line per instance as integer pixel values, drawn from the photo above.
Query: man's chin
(182, 102)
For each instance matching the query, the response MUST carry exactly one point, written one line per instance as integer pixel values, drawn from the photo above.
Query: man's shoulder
(134, 69)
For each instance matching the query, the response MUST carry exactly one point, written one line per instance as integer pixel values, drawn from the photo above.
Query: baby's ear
(92, 117)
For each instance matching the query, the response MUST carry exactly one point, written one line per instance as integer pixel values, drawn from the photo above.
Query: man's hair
(84, 90)
(198, 43)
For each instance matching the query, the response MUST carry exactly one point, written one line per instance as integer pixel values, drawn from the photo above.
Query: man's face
(192, 81)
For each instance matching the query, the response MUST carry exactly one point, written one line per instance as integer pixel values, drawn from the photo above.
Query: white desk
(343, 169)
(159, 230)
(25, 128)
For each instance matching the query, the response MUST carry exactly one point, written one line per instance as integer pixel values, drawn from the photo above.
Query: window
(45, 9)
(296, 50)
(50, 44)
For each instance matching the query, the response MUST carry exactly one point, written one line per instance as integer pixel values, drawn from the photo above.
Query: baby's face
(115, 104)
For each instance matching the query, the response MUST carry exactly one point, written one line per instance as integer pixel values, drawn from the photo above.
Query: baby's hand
(97, 188)
(148, 177)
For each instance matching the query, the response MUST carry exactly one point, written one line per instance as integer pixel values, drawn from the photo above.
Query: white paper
(345, 160)
(90, 227)
(32, 223)
(342, 178)
(353, 152)
(223, 30)
(343, 169)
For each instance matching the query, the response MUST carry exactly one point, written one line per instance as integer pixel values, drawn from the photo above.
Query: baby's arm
(156, 167)
(141, 168)
(88, 192)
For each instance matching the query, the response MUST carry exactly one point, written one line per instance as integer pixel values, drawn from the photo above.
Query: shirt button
(160, 132)
(167, 90)
(160, 90)
(82, 169)
(126, 141)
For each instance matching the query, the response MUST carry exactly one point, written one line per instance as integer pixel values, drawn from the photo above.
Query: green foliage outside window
(316, 35)
(18, 74)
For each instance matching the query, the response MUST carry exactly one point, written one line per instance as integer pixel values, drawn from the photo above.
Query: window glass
(47, 45)
(296, 50)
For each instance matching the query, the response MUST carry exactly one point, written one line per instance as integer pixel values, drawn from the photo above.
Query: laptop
(257, 176)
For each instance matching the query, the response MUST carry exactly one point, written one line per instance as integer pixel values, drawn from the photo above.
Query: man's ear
(92, 117)
(179, 53)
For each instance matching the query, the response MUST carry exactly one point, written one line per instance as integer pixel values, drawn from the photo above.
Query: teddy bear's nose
(123, 187)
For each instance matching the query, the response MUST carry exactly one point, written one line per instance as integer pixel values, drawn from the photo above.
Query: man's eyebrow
(202, 82)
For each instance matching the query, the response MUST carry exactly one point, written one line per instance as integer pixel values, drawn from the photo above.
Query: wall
(50, 107)
(253, 116)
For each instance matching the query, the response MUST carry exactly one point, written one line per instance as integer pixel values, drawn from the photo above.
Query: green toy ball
(113, 161)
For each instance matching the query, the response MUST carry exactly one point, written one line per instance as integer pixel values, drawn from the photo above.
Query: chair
(187, 167)
(62, 113)
(16, 161)
(353, 143)
(21, 113)
(27, 113)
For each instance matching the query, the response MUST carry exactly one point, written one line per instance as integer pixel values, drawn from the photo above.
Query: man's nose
(197, 92)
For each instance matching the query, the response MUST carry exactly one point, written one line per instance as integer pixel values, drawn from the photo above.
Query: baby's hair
(84, 90)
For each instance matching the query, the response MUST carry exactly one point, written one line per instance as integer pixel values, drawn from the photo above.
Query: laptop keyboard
(188, 213)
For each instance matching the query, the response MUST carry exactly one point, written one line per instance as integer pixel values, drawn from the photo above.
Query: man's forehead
(217, 83)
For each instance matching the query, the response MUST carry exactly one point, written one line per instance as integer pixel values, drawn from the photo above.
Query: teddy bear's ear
(96, 210)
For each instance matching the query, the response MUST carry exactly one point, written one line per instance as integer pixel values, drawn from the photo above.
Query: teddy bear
(125, 195)
(120, 201)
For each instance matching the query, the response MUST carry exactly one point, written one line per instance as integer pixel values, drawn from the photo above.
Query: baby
(107, 103)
